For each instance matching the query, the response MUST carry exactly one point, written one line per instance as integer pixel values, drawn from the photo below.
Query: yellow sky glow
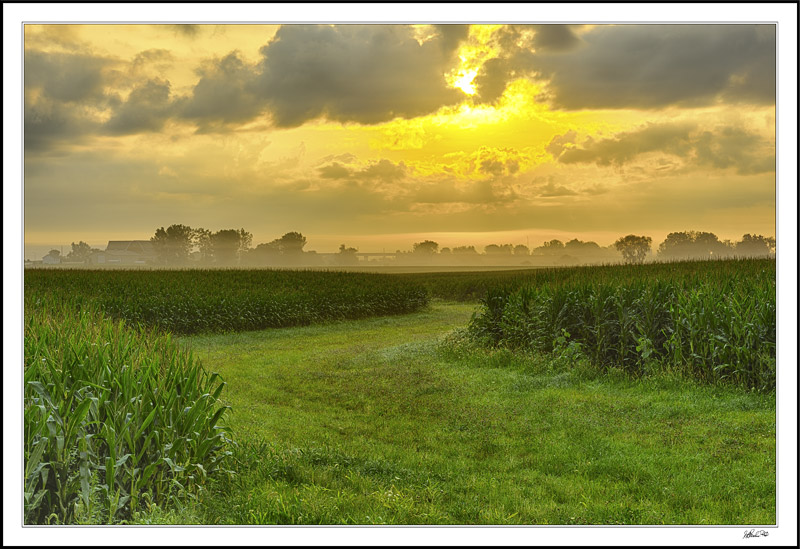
(133, 127)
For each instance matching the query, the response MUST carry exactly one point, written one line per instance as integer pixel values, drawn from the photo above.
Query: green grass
(377, 421)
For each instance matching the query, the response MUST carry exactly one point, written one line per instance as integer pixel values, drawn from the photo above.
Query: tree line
(180, 244)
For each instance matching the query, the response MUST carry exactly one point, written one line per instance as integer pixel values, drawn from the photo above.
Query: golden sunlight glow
(464, 81)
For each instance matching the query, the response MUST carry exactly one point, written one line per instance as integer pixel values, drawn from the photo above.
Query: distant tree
(265, 254)
(55, 254)
(202, 240)
(347, 256)
(633, 248)
(692, 244)
(576, 246)
(445, 251)
(80, 252)
(228, 245)
(771, 243)
(292, 243)
(505, 249)
(754, 245)
(426, 247)
(465, 250)
(173, 244)
(552, 247)
(521, 249)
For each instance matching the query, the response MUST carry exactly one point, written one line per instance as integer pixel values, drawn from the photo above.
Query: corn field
(116, 413)
(195, 301)
(714, 321)
(113, 415)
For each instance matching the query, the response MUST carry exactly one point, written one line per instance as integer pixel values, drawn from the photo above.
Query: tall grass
(114, 415)
(713, 321)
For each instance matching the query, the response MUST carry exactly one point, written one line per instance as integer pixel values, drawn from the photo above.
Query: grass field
(341, 414)
(375, 422)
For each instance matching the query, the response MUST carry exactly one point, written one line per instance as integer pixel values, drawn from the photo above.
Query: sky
(378, 136)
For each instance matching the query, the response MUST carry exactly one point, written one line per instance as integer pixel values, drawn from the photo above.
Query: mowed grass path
(372, 422)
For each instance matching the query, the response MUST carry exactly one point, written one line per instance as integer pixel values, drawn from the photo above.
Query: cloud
(487, 161)
(723, 147)
(65, 77)
(355, 73)
(641, 66)
(559, 143)
(382, 171)
(224, 94)
(547, 188)
(64, 92)
(146, 110)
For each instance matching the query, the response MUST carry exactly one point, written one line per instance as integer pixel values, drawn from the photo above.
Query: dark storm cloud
(354, 73)
(724, 147)
(146, 110)
(643, 66)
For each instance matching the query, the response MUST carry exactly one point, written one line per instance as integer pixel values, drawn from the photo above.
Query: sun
(463, 81)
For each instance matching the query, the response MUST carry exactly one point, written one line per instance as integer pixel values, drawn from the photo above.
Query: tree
(465, 250)
(633, 248)
(229, 245)
(692, 244)
(202, 239)
(347, 256)
(427, 247)
(173, 244)
(292, 243)
(553, 247)
(754, 245)
(80, 252)
(521, 249)
(53, 256)
(498, 249)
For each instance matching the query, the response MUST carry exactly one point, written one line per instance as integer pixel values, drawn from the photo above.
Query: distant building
(126, 252)
(51, 259)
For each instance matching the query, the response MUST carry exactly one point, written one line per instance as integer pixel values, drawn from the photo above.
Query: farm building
(126, 252)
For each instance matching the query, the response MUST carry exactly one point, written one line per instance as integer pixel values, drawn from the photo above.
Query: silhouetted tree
(692, 244)
(426, 247)
(347, 256)
(754, 245)
(292, 243)
(202, 239)
(553, 247)
(521, 249)
(228, 245)
(80, 252)
(173, 244)
(492, 249)
(465, 250)
(633, 248)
